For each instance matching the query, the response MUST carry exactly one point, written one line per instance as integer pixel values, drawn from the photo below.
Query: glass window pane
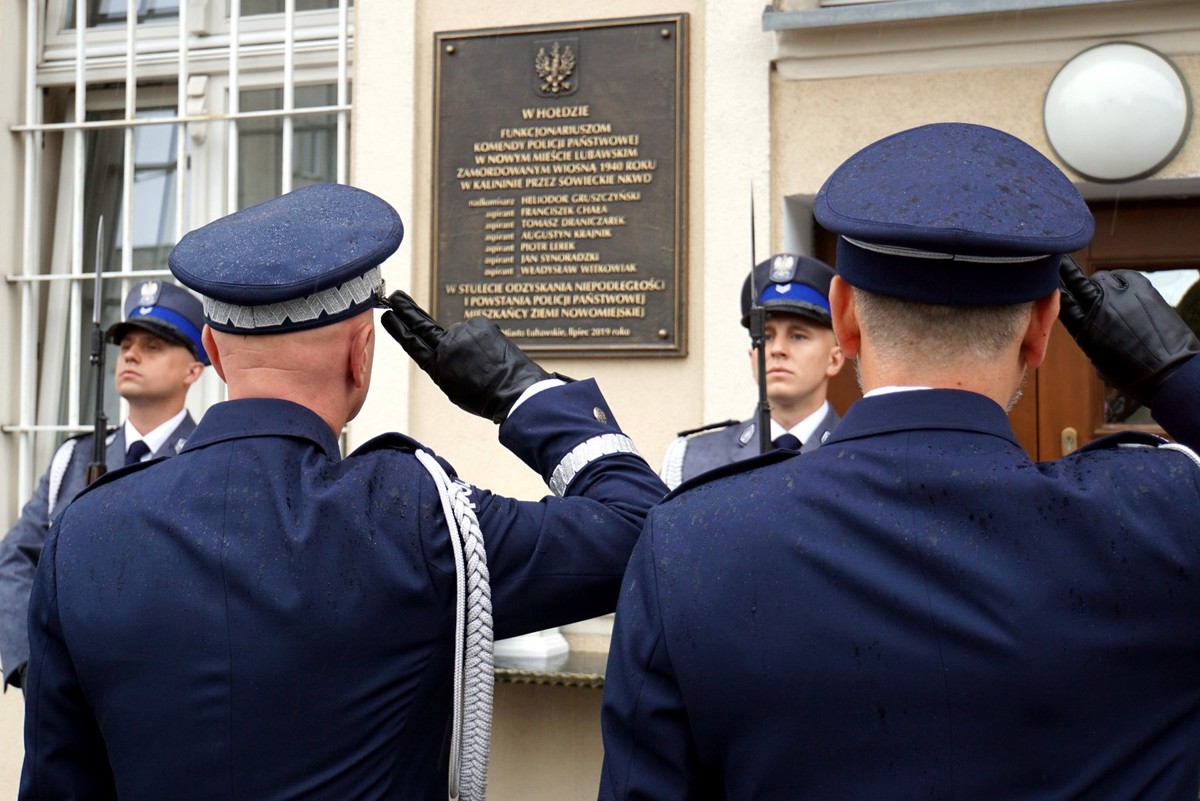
(253, 7)
(260, 143)
(107, 12)
(153, 220)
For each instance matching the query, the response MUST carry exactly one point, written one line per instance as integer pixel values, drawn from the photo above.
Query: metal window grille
(161, 45)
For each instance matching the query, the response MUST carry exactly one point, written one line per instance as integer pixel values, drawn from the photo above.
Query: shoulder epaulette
(1120, 438)
(733, 468)
(390, 441)
(723, 424)
(78, 436)
(108, 433)
(1140, 439)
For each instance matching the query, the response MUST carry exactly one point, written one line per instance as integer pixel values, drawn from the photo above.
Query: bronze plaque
(559, 193)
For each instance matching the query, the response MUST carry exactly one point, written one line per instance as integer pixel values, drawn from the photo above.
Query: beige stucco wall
(11, 99)
(819, 123)
(11, 110)
(728, 139)
(751, 131)
(546, 739)
(12, 749)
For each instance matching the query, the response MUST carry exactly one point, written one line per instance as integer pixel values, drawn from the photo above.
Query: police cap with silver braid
(303, 260)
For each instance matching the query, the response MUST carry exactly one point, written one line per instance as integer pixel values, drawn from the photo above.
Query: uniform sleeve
(18, 559)
(561, 559)
(65, 757)
(1175, 405)
(648, 748)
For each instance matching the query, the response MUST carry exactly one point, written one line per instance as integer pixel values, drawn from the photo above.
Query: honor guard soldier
(261, 618)
(917, 609)
(802, 354)
(161, 357)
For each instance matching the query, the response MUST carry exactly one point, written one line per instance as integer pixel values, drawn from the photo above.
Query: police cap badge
(790, 283)
(166, 310)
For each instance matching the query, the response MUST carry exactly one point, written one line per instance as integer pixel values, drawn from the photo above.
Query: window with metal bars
(157, 122)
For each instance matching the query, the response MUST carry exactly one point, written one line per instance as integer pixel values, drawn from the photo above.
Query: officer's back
(261, 618)
(916, 609)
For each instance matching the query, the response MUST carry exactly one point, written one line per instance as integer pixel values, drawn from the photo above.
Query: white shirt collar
(156, 438)
(805, 428)
(890, 390)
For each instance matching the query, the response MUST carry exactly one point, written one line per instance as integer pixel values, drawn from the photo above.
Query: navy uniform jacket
(917, 611)
(20, 547)
(259, 618)
(689, 456)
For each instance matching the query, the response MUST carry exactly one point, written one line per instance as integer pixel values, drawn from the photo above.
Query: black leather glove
(1133, 337)
(478, 368)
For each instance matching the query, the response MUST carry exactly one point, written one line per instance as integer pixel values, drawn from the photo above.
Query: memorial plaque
(559, 190)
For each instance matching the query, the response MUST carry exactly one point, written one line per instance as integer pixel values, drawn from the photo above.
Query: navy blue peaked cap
(953, 213)
(787, 282)
(166, 310)
(303, 260)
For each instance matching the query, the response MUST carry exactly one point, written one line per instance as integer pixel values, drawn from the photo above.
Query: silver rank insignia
(747, 434)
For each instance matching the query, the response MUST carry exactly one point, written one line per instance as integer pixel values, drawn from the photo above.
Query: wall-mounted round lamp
(1117, 112)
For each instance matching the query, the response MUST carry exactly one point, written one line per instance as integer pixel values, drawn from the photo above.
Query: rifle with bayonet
(758, 325)
(97, 466)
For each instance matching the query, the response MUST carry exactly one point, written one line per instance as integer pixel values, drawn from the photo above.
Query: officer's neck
(999, 379)
(146, 415)
(790, 414)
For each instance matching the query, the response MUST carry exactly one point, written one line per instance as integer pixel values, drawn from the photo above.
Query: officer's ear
(844, 317)
(195, 370)
(1037, 333)
(210, 347)
(362, 348)
(837, 359)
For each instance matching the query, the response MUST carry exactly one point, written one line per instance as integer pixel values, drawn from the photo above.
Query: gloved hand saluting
(478, 368)
(1133, 337)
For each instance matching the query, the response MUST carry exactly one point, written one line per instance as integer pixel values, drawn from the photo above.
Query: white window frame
(234, 54)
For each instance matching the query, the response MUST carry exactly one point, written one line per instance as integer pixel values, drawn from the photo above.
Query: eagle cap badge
(148, 294)
(783, 268)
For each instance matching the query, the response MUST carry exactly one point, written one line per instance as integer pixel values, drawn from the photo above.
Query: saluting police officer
(916, 609)
(160, 358)
(802, 354)
(261, 618)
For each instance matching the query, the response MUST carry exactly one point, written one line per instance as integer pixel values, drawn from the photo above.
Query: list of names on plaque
(558, 217)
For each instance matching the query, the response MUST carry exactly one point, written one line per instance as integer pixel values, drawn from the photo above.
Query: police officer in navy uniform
(802, 354)
(259, 617)
(916, 609)
(161, 357)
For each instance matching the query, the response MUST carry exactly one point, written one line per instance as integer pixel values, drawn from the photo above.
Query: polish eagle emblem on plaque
(555, 69)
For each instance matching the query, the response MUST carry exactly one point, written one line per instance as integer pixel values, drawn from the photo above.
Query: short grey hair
(939, 333)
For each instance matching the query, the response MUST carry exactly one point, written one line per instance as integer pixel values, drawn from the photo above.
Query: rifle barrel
(97, 466)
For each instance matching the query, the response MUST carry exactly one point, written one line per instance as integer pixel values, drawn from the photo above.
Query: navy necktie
(789, 442)
(136, 451)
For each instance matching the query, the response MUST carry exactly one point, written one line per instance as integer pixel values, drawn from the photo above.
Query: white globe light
(1117, 112)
